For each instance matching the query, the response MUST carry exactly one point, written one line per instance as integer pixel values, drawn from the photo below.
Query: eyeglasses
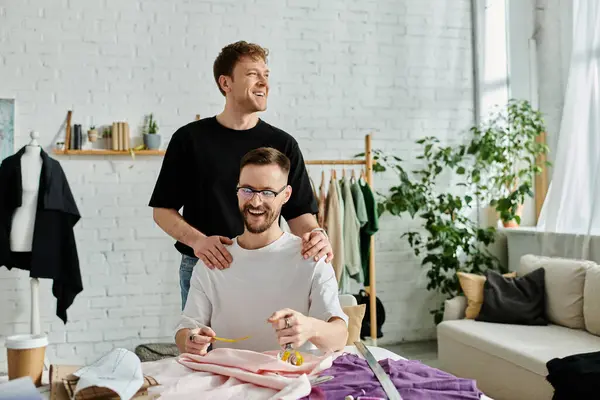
(247, 193)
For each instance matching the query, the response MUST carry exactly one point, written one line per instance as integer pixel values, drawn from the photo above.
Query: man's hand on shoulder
(212, 252)
(316, 244)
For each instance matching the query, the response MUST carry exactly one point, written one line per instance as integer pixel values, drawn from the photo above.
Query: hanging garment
(338, 187)
(352, 376)
(344, 283)
(314, 189)
(369, 229)
(322, 202)
(352, 258)
(333, 223)
(359, 203)
(54, 252)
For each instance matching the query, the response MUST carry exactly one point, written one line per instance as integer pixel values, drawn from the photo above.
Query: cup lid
(26, 341)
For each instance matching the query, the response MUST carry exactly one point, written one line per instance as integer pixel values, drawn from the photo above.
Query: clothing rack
(371, 290)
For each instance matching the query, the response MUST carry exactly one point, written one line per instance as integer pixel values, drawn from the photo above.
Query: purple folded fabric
(413, 379)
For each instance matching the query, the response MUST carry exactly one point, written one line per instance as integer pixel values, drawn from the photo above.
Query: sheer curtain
(571, 212)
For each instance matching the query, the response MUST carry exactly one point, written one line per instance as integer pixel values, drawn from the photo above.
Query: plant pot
(513, 223)
(152, 141)
(92, 135)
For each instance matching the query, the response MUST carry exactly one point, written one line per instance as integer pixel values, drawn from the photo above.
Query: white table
(378, 352)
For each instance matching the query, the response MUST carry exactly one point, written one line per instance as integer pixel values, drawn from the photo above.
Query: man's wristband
(321, 230)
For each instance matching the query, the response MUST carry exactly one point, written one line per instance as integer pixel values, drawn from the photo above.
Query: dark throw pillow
(520, 301)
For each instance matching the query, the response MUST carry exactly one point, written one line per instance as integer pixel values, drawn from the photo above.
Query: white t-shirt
(237, 301)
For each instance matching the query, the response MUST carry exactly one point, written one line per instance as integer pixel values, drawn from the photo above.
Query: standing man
(201, 168)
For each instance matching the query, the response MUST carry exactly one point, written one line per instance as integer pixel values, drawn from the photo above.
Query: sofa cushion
(564, 287)
(527, 346)
(518, 300)
(591, 300)
(472, 287)
(355, 318)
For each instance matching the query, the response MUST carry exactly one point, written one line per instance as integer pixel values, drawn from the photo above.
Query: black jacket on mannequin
(54, 252)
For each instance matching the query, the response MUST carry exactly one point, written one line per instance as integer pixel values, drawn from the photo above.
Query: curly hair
(230, 54)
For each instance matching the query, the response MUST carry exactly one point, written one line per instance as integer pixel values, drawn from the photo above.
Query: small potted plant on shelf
(92, 133)
(107, 135)
(151, 136)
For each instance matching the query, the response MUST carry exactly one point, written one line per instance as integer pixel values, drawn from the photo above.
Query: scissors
(320, 379)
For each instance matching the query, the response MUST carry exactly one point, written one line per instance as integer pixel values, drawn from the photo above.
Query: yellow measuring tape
(231, 340)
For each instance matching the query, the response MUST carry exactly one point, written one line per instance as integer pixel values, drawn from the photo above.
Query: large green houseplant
(450, 240)
(506, 150)
(495, 166)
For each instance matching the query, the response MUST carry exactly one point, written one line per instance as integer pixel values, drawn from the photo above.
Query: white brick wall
(400, 69)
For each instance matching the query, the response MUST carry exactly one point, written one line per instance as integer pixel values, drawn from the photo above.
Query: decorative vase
(152, 141)
(92, 135)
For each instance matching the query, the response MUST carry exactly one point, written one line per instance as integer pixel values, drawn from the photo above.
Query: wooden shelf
(109, 152)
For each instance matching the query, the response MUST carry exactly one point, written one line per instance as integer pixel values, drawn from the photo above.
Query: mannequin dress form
(23, 219)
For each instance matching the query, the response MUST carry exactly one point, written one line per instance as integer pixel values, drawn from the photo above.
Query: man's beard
(268, 218)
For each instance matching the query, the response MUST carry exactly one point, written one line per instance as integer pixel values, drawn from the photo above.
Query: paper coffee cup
(25, 354)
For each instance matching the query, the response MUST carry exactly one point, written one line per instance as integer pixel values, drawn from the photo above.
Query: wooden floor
(426, 352)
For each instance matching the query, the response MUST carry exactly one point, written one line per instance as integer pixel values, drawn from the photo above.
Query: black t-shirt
(200, 172)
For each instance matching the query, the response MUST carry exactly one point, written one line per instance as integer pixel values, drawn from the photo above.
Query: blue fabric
(185, 274)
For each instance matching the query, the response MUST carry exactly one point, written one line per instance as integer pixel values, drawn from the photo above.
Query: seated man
(270, 292)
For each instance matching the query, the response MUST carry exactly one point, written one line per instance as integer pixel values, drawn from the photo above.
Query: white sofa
(509, 361)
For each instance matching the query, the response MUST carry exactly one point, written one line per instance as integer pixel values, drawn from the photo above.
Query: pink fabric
(207, 386)
(235, 369)
(255, 362)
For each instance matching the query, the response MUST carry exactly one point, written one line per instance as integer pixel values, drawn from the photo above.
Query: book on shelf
(120, 136)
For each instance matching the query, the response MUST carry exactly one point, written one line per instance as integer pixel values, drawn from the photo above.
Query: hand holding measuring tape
(198, 340)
